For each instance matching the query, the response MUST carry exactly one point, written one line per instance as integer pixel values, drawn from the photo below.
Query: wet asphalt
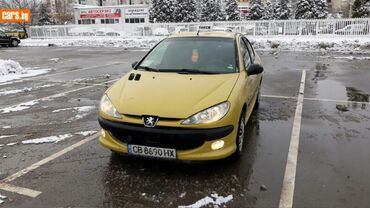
(333, 167)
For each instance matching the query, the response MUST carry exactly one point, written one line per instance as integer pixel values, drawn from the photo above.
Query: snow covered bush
(232, 10)
(10, 67)
(211, 11)
(186, 11)
(257, 10)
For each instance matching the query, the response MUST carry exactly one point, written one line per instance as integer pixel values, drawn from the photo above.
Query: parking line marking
(287, 192)
(279, 96)
(51, 96)
(48, 159)
(338, 101)
(19, 190)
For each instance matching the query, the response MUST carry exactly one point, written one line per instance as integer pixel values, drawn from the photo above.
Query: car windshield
(192, 55)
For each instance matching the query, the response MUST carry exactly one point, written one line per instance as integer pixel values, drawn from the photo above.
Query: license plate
(151, 151)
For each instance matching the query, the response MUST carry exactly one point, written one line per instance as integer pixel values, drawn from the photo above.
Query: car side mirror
(134, 64)
(254, 69)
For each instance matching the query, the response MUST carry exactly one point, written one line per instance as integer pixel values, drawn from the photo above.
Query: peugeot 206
(189, 98)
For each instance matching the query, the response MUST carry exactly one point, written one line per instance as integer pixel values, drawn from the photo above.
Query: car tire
(240, 136)
(14, 43)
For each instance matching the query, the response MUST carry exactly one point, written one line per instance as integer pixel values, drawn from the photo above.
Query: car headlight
(107, 107)
(209, 115)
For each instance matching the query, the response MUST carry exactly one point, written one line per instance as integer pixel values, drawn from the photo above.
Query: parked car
(7, 40)
(161, 31)
(353, 29)
(18, 33)
(189, 98)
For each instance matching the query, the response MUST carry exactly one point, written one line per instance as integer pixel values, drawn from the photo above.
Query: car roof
(213, 34)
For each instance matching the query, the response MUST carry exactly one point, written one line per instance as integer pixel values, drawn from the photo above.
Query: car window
(250, 48)
(207, 54)
(246, 55)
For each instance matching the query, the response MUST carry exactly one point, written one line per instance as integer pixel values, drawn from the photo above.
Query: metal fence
(328, 27)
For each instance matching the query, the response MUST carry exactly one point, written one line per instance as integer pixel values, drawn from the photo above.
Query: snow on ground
(19, 107)
(6, 136)
(353, 57)
(2, 197)
(81, 112)
(12, 70)
(50, 139)
(6, 127)
(86, 133)
(213, 200)
(26, 89)
(124, 42)
(291, 43)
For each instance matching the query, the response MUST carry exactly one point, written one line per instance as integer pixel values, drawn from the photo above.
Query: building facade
(119, 14)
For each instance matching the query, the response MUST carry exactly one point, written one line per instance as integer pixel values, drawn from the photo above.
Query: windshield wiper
(193, 71)
(146, 68)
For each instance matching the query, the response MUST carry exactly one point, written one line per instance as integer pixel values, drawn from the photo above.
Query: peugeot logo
(150, 121)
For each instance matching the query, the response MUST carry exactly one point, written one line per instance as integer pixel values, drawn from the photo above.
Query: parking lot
(309, 138)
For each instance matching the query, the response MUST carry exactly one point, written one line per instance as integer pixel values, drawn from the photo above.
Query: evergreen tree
(282, 10)
(211, 11)
(162, 11)
(305, 9)
(321, 10)
(232, 10)
(44, 16)
(256, 10)
(361, 8)
(269, 11)
(185, 11)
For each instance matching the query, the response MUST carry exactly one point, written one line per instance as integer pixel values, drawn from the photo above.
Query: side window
(245, 53)
(250, 49)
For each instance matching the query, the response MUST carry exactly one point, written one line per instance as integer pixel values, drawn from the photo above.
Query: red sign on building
(100, 13)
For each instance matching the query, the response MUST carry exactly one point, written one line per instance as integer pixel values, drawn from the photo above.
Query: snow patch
(50, 139)
(86, 133)
(60, 110)
(19, 107)
(12, 70)
(81, 112)
(2, 197)
(6, 127)
(11, 144)
(213, 200)
(353, 57)
(7, 136)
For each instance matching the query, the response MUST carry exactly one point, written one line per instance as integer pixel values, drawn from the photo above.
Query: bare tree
(32, 5)
(63, 12)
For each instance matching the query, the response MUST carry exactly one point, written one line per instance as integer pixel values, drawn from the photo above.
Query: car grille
(177, 142)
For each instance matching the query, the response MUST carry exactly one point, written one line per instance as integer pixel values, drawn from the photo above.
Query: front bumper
(191, 144)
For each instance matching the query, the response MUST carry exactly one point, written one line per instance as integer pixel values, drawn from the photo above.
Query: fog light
(103, 133)
(217, 144)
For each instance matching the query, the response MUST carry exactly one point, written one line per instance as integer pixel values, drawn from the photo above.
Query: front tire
(14, 43)
(240, 136)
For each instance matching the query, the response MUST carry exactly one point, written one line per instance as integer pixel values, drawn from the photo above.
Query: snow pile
(213, 200)
(11, 70)
(51, 139)
(2, 197)
(289, 43)
(10, 67)
(121, 42)
(312, 43)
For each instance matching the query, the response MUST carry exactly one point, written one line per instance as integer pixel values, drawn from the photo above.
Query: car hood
(170, 95)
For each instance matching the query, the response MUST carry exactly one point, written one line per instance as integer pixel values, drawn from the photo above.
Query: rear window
(216, 55)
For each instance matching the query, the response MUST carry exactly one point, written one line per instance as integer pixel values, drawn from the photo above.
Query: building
(119, 14)
(111, 2)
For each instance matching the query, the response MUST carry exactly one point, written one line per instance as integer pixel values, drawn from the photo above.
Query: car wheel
(14, 43)
(240, 136)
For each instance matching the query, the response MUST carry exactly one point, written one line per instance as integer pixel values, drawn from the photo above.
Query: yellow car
(188, 99)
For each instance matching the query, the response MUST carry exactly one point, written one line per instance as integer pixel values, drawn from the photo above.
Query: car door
(249, 87)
